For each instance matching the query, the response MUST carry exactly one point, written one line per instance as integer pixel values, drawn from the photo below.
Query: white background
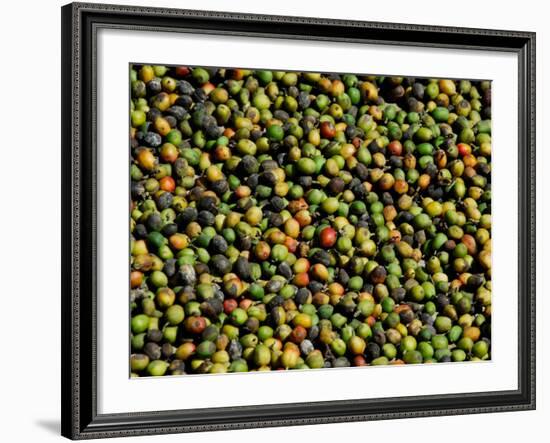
(30, 232)
(118, 393)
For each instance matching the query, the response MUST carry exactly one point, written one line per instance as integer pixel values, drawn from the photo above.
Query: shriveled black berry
(206, 218)
(220, 264)
(152, 350)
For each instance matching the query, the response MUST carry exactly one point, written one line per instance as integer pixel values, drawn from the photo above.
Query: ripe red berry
(328, 130)
(327, 238)
(464, 149)
(229, 305)
(182, 71)
(395, 147)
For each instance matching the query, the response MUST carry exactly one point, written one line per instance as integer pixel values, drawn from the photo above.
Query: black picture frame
(80, 419)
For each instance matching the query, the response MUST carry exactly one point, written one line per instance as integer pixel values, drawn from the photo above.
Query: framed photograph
(274, 221)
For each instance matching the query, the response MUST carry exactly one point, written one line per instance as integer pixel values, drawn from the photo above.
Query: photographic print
(252, 199)
(305, 220)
